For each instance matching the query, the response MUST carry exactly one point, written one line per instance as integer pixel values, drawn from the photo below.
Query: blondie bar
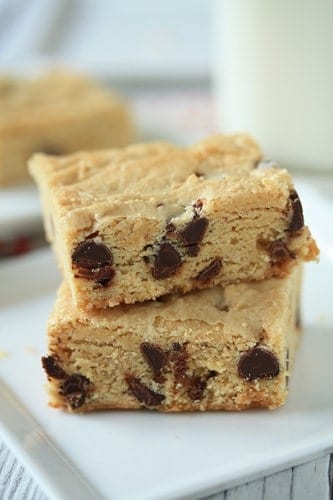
(213, 349)
(136, 223)
(58, 113)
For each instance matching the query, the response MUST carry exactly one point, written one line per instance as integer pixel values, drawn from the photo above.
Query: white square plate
(146, 455)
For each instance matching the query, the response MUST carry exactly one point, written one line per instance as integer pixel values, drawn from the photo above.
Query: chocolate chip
(198, 174)
(93, 260)
(156, 359)
(209, 271)
(257, 363)
(52, 367)
(279, 252)
(193, 233)
(91, 255)
(167, 261)
(143, 393)
(178, 357)
(297, 220)
(196, 387)
(75, 389)
(104, 275)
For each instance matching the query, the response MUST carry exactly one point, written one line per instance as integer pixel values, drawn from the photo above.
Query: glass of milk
(273, 76)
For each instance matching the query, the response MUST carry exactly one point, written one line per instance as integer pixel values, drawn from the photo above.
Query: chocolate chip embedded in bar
(156, 359)
(158, 228)
(74, 389)
(143, 393)
(93, 261)
(258, 363)
(212, 349)
(52, 367)
(192, 235)
(209, 271)
(167, 261)
(297, 220)
(279, 252)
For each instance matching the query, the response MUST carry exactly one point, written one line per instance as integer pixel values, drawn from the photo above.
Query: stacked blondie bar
(182, 271)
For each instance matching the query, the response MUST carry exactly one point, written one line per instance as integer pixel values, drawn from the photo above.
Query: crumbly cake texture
(213, 349)
(58, 113)
(136, 223)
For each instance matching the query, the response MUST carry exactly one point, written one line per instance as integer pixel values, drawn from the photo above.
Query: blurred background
(158, 54)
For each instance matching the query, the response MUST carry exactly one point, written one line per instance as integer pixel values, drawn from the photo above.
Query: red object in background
(18, 246)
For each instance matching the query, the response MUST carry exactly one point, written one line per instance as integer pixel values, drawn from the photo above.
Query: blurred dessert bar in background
(57, 113)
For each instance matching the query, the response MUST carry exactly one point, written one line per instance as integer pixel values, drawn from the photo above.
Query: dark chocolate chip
(91, 255)
(209, 271)
(279, 252)
(198, 174)
(156, 359)
(52, 367)
(297, 220)
(257, 363)
(93, 260)
(75, 383)
(178, 357)
(76, 399)
(193, 233)
(143, 393)
(196, 387)
(167, 261)
(104, 275)
(212, 373)
(75, 389)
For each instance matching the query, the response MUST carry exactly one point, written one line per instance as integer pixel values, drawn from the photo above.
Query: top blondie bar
(140, 222)
(58, 113)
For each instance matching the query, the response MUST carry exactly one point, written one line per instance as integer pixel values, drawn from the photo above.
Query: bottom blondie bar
(216, 349)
